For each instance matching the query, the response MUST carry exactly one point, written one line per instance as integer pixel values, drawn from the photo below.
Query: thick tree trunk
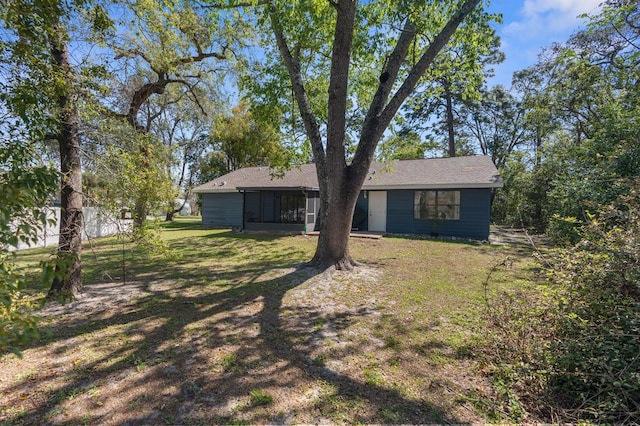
(340, 183)
(140, 214)
(336, 221)
(68, 277)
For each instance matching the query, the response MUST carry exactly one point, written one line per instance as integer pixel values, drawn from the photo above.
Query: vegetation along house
(441, 196)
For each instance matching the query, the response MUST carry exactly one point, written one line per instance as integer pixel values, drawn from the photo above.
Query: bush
(572, 353)
(563, 230)
(517, 336)
(597, 353)
(26, 189)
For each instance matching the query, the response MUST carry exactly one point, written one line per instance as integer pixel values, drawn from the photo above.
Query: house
(441, 196)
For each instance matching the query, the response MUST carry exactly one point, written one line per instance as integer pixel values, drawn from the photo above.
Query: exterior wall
(475, 215)
(227, 210)
(222, 210)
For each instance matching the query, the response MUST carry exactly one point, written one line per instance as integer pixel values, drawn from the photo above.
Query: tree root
(344, 264)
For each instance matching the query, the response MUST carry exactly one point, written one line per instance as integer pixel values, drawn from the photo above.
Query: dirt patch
(296, 351)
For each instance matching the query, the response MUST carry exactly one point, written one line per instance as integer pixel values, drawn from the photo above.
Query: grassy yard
(231, 328)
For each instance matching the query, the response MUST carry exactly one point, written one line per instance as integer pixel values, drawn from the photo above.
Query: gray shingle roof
(430, 173)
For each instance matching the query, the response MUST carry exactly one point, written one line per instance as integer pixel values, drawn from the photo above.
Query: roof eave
(433, 186)
(213, 190)
(277, 188)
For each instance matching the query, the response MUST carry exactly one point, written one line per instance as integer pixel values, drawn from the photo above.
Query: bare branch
(201, 56)
(135, 52)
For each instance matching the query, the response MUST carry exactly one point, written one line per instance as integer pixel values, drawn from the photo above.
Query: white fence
(96, 224)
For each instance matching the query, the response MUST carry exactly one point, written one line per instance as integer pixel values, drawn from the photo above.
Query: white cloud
(533, 7)
(554, 15)
(531, 25)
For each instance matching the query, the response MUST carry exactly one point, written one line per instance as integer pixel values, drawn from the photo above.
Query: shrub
(572, 352)
(517, 334)
(26, 189)
(597, 353)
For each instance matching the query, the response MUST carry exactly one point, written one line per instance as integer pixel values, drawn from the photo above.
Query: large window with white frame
(436, 205)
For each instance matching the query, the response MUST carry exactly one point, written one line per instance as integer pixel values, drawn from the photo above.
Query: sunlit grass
(207, 299)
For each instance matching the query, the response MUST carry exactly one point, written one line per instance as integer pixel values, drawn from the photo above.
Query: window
(436, 205)
(292, 208)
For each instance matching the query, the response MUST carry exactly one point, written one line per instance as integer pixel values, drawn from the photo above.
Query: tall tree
(45, 84)
(183, 131)
(405, 145)
(391, 45)
(459, 74)
(170, 44)
(67, 135)
(242, 140)
(581, 102)
(497, 123)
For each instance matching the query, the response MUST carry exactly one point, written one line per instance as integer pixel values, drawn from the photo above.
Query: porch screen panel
(311, 210)
(292, 208)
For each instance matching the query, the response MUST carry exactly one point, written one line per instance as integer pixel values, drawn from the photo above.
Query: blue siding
(226, 210)
(222, 210)
(475, 207)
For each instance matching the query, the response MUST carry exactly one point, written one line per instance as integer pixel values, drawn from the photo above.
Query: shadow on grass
(171, 338)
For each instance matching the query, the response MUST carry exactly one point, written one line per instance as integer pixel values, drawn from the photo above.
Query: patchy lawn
(233, 329)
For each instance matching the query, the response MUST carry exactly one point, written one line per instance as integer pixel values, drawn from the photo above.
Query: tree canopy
(350, 67)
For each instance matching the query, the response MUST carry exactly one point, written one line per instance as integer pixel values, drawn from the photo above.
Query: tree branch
(293, 68)
(339, 81)
(389, 74)
(201, 56)
(235, 4)
(378, 119)
(143, 94)
(426, 60)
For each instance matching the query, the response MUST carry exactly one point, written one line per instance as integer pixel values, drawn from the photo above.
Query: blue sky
(530, 25)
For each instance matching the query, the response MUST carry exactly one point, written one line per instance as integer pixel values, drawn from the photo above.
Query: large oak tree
(350, 67)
